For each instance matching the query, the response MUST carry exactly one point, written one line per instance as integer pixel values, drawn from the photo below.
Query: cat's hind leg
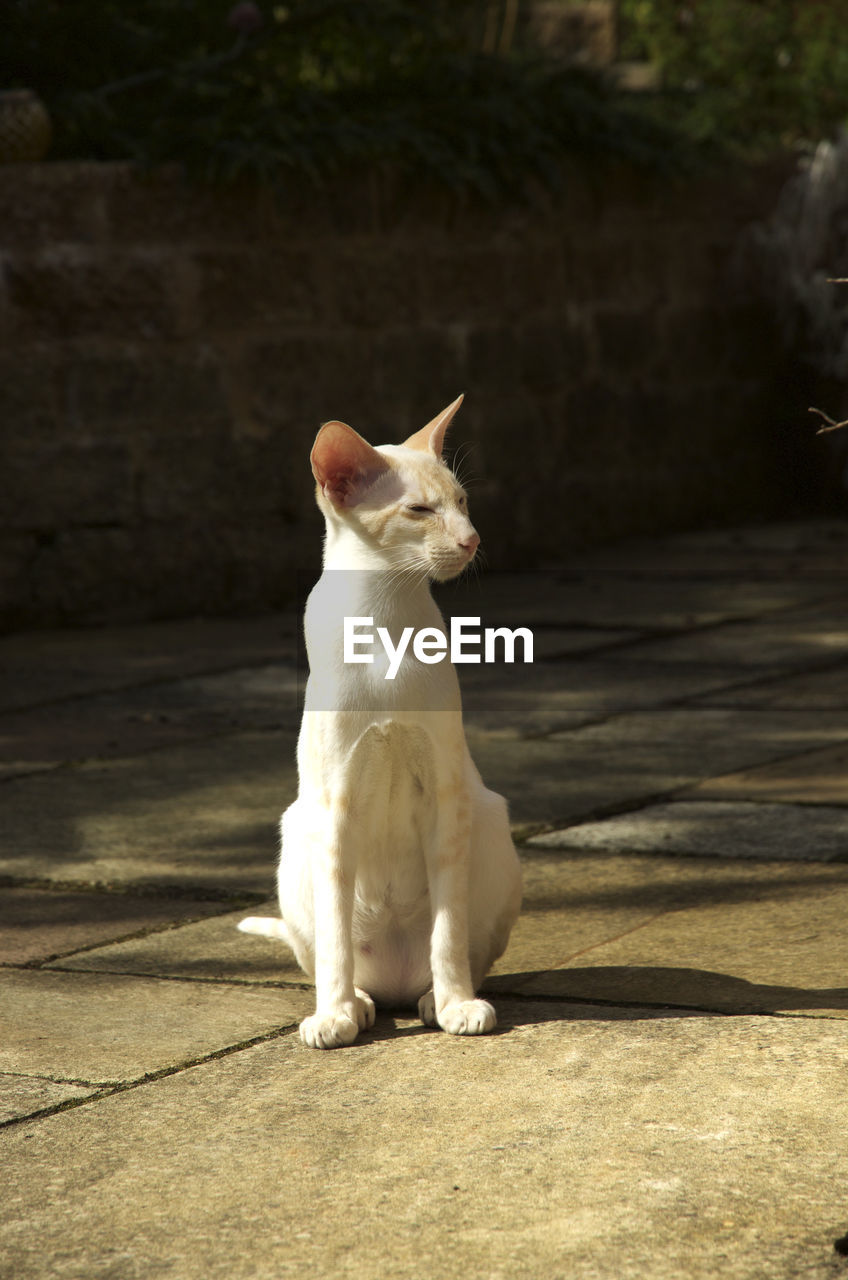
(367, 1007)
(427, 1009)
(494, 882)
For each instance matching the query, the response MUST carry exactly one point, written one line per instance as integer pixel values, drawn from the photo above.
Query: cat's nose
(471, 543)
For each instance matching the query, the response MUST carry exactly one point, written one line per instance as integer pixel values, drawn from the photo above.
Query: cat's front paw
(334, 1030)
(467, 1018)
(328, 1031)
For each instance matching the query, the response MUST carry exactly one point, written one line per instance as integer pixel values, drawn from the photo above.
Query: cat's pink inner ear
(344, 464)
(432, 437)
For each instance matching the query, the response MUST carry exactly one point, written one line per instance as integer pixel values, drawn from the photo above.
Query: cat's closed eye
(420, 510)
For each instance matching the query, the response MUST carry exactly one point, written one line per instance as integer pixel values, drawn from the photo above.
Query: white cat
(398, 879)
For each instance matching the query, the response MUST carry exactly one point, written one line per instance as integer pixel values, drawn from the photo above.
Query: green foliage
(314, 87)
(750, 72)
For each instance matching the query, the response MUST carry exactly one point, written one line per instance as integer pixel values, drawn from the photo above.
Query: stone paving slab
(211, 949)
(714, 828)
(624, 599)
(133, 721)
(816, 777)
(40, 924)
(22, 1095)
(585, 1143)
(102, 1028)
(728, 936)
(795, 550)
(798, 637)
(202, 814)
(629, 760)
(549, 697)
(824, 690)
(43, 666)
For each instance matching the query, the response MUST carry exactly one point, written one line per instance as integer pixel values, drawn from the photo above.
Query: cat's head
(402, 503)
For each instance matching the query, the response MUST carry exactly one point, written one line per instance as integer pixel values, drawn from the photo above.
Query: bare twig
(837, 280)
(830, 424)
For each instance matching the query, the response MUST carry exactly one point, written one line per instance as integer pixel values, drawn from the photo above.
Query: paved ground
(667, 1094)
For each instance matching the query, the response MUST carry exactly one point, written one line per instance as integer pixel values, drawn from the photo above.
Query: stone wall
(167, 354)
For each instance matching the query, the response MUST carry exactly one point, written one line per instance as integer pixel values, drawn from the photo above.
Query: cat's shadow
(622, 993)
(650, 990)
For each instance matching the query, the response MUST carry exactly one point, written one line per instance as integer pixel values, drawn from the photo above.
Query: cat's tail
(266, 926)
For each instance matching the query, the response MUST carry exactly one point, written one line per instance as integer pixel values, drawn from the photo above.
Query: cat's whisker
(461, 456)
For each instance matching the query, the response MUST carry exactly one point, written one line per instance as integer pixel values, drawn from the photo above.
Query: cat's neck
(345, 550)
(361, 580)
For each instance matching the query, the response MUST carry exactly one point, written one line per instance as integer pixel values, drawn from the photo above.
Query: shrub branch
(830, 425)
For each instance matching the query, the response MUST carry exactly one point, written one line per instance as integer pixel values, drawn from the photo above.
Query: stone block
(294, 383)
(554, 355)
(596, 426)
(122, 575)
(17, 552)
(252, 287)
(461, 286)
(70, 290)
(119, 384)
(628, 342)
(696, 341)
(59, 202)
(622, 268)
(426, 365)
(30, 393)
(77, 573)
(208, 476)
(52, 487)
(533, 278)
(374, 287)
(165, 207)
(493, 357)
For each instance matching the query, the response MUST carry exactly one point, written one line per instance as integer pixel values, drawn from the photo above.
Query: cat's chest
(392, 784)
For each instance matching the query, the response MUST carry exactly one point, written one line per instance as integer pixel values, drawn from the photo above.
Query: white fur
(398, 879)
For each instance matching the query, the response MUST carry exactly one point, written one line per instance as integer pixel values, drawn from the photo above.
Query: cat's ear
(344, 464)
(432, 437)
